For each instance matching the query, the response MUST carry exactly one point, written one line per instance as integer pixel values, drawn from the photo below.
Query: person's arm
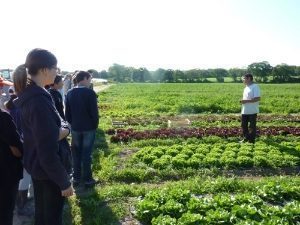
(10, 135)
(93, 104)
(44, 117)
(256, 99)
(68, 109)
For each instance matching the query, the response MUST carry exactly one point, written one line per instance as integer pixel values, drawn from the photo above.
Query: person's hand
(68, 192)
(64, 132)
(15, 151)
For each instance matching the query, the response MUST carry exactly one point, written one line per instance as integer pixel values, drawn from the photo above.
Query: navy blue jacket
(82, 109)
(40, 124)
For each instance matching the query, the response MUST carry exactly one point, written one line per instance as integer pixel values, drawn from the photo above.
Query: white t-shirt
(250, 92)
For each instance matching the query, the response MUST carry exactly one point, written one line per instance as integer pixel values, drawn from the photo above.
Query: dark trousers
(82, 147)
(48, 203)
(249, 127)
(8, 193)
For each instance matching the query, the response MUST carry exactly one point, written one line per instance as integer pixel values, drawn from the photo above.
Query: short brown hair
(248, 75)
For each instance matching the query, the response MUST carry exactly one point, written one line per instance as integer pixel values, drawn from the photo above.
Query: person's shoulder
(4, 115)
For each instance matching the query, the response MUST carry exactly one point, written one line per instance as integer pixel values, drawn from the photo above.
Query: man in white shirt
(250, 108)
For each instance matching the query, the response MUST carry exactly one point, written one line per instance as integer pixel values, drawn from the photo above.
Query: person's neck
(250, 83)
(38, 80)
(81, 84)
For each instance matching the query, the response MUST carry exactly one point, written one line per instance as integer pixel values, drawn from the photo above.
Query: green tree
(261, 70)
(283, 73)
(117, 72)
(94, 73)
(103, 74)
(236, 74)
(169, 76)
(158, 75)
(220, 74)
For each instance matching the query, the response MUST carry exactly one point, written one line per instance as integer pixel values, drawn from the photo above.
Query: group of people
(33, 132)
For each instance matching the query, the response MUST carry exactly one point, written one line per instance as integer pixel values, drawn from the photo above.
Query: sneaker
(90, 183)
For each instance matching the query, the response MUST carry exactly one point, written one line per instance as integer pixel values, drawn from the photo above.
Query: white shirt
(250, 92)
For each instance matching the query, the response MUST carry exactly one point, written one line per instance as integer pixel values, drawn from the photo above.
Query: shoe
(243, 141)
(90, 183)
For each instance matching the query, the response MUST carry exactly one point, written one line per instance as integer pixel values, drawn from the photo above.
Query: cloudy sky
(169, 34)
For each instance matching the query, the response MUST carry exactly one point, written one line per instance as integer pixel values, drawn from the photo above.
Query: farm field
(170, 154)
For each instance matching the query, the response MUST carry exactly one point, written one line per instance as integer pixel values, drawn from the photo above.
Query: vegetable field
(170, 154)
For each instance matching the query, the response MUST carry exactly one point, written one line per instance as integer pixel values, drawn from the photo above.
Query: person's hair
(20, 78)
(39, 59)
(11, 91)
(80, 75)
(57, 79)
(248, 75)
(9, 105)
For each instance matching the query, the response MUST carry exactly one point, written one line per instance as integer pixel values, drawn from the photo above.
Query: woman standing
(42, 129)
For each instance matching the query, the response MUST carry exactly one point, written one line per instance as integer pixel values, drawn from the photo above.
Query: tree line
(262, 71)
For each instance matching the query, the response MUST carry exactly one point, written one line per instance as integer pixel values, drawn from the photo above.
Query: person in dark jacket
(56, 95)
(42, 130)
(11, 169)
(82, 114)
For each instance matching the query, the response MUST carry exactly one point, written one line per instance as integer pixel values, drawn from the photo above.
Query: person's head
(58, 83)
(9, 105)
(20, 78)
(247, 78)
(83, 78)
(11, 91)
(41, 62)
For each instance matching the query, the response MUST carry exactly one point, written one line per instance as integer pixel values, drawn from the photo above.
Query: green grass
(125, 183)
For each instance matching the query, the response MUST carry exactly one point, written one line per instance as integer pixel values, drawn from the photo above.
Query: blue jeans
(82, 147)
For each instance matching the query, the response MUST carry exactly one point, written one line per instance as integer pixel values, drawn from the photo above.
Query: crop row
(125, 135)
(227, 156)
(173, 99)
(210, 118)
(268, 204)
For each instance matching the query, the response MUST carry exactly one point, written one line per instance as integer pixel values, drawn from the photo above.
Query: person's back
(82, 114)
(81, 109)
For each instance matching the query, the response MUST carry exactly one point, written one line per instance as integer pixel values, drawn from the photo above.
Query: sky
(169, 34)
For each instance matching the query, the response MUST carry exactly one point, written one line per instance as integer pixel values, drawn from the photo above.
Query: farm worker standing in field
(250, 108)
(82, 114)
(11, 168)
(42, 129)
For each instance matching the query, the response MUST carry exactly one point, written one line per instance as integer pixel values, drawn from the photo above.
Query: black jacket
(82, 109)
(41, 123)
(11, 169)
(58, 101)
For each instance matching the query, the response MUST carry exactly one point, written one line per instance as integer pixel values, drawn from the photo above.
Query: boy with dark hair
(82, 114)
